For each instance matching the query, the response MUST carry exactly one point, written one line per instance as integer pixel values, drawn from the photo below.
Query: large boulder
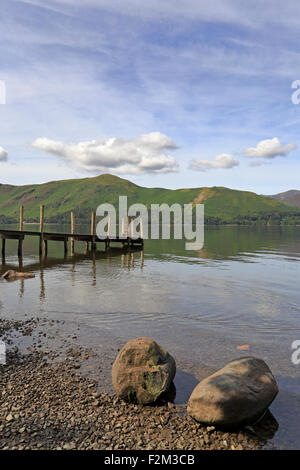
(236, 395)
(143, 371)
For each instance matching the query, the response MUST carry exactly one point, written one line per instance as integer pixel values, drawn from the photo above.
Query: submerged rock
(236, 395)
(143, 371)
(11, 275)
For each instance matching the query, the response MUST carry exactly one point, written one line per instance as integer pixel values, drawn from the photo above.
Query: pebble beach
(48, 402)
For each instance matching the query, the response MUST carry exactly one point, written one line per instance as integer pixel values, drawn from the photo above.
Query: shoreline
(51, 401)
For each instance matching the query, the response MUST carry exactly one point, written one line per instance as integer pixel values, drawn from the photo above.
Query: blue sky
(175, 94)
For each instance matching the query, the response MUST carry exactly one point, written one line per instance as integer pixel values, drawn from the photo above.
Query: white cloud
(144, 154)
(220, 161)
(269, 148)
(3, 155)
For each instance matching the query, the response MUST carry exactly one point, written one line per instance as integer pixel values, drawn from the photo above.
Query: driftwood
(11, 275)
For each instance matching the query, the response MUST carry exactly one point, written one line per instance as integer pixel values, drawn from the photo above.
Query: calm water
(242, 288)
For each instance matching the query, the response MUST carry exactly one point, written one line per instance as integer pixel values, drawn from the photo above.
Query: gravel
(47, 403)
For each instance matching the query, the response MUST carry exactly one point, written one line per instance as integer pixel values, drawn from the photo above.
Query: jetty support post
(42, 213)
(93, 230)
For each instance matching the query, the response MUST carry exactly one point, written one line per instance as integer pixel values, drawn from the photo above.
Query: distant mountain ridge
(291, 198)
(222, 205)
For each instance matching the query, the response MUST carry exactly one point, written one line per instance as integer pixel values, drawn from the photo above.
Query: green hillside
(222, 205)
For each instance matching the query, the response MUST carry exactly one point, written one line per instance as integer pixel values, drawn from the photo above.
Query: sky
(171, 94)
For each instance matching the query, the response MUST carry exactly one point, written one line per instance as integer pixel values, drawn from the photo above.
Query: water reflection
(129, 260)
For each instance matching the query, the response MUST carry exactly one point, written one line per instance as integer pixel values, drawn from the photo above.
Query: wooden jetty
(91, 240)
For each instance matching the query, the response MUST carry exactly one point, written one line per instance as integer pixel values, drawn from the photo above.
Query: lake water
(241, 288)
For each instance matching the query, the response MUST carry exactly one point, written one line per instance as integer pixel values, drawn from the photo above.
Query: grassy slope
(83, 195)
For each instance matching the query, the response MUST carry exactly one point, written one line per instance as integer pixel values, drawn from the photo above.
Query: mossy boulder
(143, 371)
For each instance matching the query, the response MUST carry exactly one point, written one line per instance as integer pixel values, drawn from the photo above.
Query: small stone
(210, 428)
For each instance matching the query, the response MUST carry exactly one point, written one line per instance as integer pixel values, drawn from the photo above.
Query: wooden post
(42, 211)
(93, 231)
(72, 231)
(123, 227)
(127, 228)
(21, 218)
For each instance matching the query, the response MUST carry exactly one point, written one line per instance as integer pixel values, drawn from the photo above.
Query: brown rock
(11, 275)
(236, 395)
(142, 371)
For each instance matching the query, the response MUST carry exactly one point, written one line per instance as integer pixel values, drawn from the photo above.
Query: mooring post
(42, 212)
(72, 231)
(93, 231)
(21, 218)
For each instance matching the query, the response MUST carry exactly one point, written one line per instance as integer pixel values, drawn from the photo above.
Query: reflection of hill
(230, 242)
